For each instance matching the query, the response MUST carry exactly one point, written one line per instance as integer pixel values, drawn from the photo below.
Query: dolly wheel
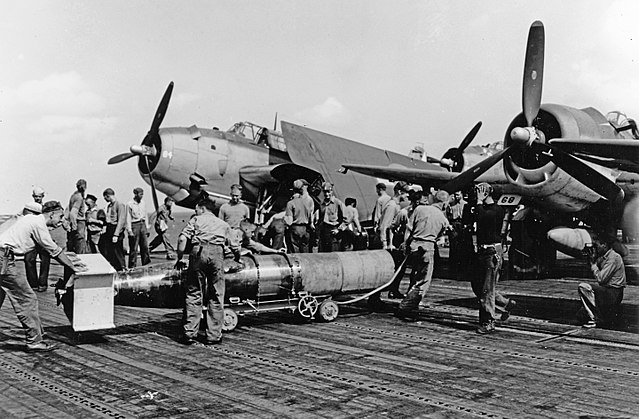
(230, 320)
(307, 307)
(328, 310)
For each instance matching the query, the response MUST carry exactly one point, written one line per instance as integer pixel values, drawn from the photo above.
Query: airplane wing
(610, 149)
(408, 174)
(325, 154)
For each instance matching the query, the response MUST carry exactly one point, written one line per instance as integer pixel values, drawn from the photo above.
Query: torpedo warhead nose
(571, 241)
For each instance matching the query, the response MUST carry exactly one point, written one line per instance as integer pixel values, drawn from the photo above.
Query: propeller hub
(524, 135)
(143, 150)
(137, 150)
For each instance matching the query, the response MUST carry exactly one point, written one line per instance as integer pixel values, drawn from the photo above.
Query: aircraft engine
(534, 173)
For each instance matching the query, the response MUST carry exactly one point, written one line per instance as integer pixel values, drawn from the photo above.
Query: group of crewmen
(88, 229)
(411, 231)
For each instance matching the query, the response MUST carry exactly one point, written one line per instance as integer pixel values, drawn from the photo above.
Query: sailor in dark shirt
(489, 218)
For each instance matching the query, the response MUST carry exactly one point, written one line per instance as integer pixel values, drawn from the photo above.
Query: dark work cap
(402, 186)
(51, 206)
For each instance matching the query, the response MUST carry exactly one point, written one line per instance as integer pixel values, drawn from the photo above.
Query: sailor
(95, 223)
(489, 219)
(601, 301)
(458, 244)
(22, 237)
(137, 228)
(350, 235)
(235, 210)
(299, 215)
(115, 225)
(381, 205)
(205, 278)
(76, 236)
(246, 239)
(331, 217)
(161, 225)
(425, 225)
(37, 282)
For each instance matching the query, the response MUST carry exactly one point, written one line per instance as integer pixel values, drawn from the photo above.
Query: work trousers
(599, 300)
(22, 298)
(205, 285)
(139, 238)
(31, 267)
(76, 243)
(76, 239)
(328, 238)
(300, 238)
(485, 284)
(423, 263)
(93, 241)
(114, 251)
(161, 239)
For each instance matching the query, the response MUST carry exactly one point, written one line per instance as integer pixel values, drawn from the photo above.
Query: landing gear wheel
(328, 310)
(230, 320)
(307, 307)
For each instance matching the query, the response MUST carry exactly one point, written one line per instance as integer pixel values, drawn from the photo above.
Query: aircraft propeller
(453, 158)
(148, 149)
(530, 137)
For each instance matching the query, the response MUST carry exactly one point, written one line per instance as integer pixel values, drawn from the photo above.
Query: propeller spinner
(148, 151)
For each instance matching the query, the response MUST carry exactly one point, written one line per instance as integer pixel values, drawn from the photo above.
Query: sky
(80, 80)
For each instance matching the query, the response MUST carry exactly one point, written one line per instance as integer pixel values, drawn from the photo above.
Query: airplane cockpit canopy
(259, 135)
(621, 123)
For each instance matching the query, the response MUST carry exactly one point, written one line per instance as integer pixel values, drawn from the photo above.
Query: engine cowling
(535, 175)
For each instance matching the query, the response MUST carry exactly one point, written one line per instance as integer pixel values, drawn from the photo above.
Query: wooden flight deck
(539, 364)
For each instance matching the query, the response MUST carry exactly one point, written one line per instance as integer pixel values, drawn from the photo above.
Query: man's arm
(121, 211)
(603, 275)
(356, 221)
(74, 207)
(43, 238)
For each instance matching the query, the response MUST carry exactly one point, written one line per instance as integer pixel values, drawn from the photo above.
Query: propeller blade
(153, 192)
(469, 176)
(275, 124)
(120, 158)
(159, 114)
(580, 171)
(469, 137)
(533, 72)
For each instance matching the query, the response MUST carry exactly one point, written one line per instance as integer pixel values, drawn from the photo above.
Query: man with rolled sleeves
(425, 225)
(137, 228)
(299, 214)
(601, 301)
(205, 274)
(22, 237)
(331, 217)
